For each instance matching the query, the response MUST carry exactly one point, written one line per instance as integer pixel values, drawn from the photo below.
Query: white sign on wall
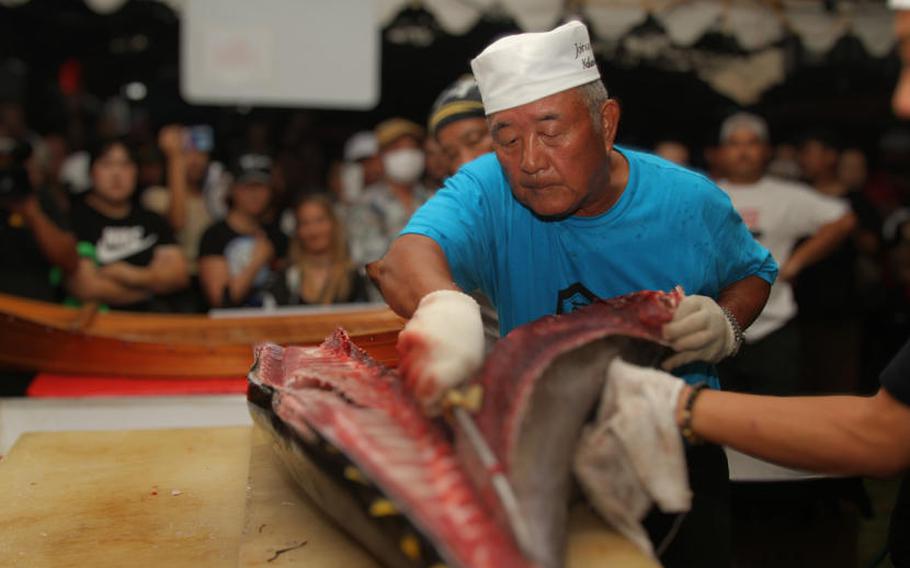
(314, 53)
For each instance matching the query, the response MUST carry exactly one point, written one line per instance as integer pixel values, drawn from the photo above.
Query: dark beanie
(459, 100)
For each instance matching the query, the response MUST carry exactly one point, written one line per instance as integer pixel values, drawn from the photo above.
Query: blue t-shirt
(671, 226)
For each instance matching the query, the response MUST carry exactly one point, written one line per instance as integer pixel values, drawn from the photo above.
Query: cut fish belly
(334, 397)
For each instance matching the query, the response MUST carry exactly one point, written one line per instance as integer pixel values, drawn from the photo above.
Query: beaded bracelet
(686, 428)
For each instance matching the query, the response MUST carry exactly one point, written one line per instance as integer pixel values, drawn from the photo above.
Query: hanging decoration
(671, 34)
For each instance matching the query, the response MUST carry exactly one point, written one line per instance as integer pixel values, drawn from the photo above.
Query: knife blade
(502, 488)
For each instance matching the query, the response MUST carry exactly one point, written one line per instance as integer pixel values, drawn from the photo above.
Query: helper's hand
(441, 346)
(700, 331)
(632, 456)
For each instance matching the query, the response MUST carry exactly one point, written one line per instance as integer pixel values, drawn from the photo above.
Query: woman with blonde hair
(320, 270)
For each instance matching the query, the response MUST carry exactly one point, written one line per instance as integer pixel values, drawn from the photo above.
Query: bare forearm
(832, 434)
(413, 267)
(176, 176)
(166, 273)
(822, 243)
(167, 280)
(89, 286)
(110, 292)
(745, 299)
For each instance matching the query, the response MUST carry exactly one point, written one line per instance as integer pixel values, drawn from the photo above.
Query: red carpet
(49, 385)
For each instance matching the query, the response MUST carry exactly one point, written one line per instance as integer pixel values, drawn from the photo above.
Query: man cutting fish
(559, 216)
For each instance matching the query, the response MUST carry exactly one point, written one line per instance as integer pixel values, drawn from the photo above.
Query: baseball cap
(253, 168)
(458, 101)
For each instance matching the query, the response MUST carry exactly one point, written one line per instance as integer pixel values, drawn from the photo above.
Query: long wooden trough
(46, 337)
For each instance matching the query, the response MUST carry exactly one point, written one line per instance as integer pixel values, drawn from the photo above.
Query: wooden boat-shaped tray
(39, 336)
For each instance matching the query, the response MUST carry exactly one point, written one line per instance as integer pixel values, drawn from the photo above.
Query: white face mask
(403, 166)
(351, 182)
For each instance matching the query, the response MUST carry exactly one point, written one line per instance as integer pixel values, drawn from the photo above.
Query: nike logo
(119, 243)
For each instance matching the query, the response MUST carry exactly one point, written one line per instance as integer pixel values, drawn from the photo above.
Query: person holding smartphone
(183, 202)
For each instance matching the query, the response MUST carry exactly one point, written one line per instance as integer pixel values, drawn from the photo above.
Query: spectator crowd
(157, 224)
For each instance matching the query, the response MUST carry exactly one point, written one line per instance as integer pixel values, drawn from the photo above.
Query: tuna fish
(359, 446)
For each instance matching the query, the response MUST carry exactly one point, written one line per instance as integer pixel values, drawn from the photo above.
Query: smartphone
(200, 137)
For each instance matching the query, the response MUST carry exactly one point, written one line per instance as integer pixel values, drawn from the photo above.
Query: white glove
(699, 331)
(441, 347)
(632, 455)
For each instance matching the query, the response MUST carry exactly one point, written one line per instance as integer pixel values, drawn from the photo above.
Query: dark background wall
(845, 90)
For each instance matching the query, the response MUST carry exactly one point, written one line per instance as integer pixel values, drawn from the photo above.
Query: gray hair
(594, 95)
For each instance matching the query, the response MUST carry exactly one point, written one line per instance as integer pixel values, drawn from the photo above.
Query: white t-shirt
(779, 213)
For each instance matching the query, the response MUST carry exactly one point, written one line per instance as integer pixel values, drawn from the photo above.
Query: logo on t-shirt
(120, 243)
(574, 297)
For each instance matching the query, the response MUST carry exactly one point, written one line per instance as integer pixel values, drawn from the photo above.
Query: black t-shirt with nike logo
(131, 239)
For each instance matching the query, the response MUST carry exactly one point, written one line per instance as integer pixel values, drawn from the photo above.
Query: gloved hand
(632, 455)
(441, 346)
(700, 331)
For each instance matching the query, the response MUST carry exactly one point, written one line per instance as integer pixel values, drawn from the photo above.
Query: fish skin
(540, 384)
